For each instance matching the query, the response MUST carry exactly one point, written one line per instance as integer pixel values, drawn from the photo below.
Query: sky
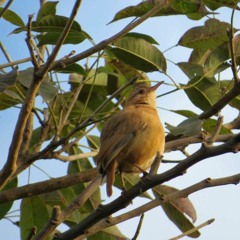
(220, 203)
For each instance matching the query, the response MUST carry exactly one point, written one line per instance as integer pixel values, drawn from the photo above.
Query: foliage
(95, 91)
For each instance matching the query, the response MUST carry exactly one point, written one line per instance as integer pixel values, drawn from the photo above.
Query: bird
(131, 139)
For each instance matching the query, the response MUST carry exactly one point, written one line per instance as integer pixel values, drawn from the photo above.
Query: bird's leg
(122, 181)
(140, 169)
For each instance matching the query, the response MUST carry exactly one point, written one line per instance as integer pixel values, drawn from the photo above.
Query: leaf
(11, 92)
(175, 7)
(50, 23)
(62, 198)
(7, 80)
(175, 210)
(129, 180)
(48, 8)
(189, 127)
(34, 213)
(51, 38)
(209, 126)
(185, 113)
(199, 56)
(46, 90)
(140, 54)
(200, 13)
(110, 233)
(226, 86)
(5, 207)
(142, 36)
(185, 6)
(236, 48)
(203, 92)
(191, 69)
(209, 36)
(73, 68)
(12, 17)
(215, 4)
(216, 60)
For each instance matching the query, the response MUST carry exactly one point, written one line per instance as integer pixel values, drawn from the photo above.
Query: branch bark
(47, 186)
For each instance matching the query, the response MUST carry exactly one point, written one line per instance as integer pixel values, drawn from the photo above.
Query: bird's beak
(154, 88)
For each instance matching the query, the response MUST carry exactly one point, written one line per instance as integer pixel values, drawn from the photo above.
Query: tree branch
(47, 186)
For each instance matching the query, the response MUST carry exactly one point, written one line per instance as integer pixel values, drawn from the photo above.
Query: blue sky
(220, 203)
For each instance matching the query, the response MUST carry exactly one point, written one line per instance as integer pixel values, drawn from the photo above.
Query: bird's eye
(141, 91)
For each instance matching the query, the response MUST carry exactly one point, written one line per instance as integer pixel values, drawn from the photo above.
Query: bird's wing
(118, 131)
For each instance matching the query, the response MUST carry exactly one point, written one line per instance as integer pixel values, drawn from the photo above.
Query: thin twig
(32, 233)
(29, 41)
(216, 131)
(5, 54)
(155, 165)
(24, 60)
(75, 157)
(138, 228)
(208, 222)
(230, 33)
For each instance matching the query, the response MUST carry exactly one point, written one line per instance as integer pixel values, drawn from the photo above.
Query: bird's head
(143, 94)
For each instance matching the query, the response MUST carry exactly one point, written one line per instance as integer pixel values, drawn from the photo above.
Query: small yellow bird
(132, 137)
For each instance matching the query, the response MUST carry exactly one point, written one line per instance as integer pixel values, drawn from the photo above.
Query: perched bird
(132, 137)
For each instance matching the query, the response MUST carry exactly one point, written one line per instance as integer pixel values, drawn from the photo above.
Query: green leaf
(203, 92)
(191, 69)
(46, 90)
(209, 126)
(48, 8)
(129, 180)
(7, 80)
(140, 54)
(51, 38)
(11, 92)
(175, 210)
(199, 14)
(12, 17)
(51, 23)
(175, 7)
(142, 36)
(226, 86)
(62, 198)
(5, 207)
(216, 61)
(215, 4)
(189, 127)
(34, 213)
(185, 113)
(185, 6)
(209, 36)
(199, 56)
(110, 233)
(73, 68)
